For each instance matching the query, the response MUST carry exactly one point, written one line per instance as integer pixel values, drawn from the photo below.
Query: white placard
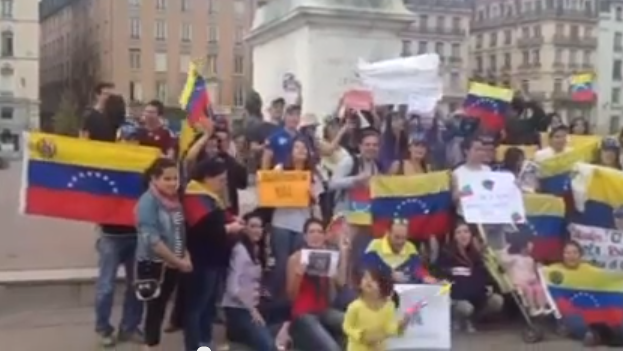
(491, 198)
(321, 263)
(602, 247)
(430, 328)
(528, 177)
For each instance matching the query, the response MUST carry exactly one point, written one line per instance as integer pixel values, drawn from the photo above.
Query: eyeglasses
(401, 221)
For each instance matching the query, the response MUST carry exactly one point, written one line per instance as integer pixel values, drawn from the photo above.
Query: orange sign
(280, 189)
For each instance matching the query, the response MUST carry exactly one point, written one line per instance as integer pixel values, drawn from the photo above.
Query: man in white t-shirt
(475, 157)
(558, 138)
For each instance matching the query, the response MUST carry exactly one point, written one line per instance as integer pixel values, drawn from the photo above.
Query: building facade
(609, 83)
(442, 27)
(144, 47)
(535, 46)
(19, 71)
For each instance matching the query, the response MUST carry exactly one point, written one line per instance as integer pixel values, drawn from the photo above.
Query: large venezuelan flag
(546, 218)
(489, 104)
(585, 296)
(359, 206)
(199, 202)
(81, 179)
(573, 140)
(195, 98)
(555, 172)
(424, 200)
(603, 194)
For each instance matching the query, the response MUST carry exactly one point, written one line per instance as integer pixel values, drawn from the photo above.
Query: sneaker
(107, 340)
(135, 337)
(469, 327)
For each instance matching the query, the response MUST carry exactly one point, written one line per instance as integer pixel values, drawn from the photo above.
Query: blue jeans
(258, 337)
(116, 250)
(283, 243)
(322, 331)
(203, 289)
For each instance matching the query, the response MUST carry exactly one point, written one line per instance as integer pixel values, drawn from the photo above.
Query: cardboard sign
(283, 188)
(358, 100)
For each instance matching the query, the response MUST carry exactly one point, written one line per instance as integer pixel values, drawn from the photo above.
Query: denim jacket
(154, 224)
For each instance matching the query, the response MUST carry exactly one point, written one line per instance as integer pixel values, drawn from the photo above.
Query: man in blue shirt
(279, 145)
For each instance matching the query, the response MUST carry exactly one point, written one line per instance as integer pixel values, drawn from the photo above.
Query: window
(573, 57)
(185, 5)
(161, 30)
(134, 3)
(423, 21)
(187, 32)
(135, 28)
(184, 63)
(456, 24)
(212, 6)
(7, 9)
(615, 124)
(536, 57)
(588, 32)
(456, 50)
(161, 4)
(615, 96)
(557, 85)
(239, 64)
(479, 41)
(574, 31)
(617, 73)
(558, 56)
(455, 80)
(493, 62)
(135, 58)
(212, 34)
(441, 22)
(537, 31)
(161, 61)
(508, 61)
(239, 8)
(560, 29)
(525, 86)
(239, 34)
(136, 91)
(618, 41)
(212, 64)
(7, 44)
(7, 86)
(479, 63)
(493, 39)
(238, 94)
(161, 91)
(422, 47)
(586, 59)
(406, 48)
(525, 58)
(508, 37)
(525, 32)
(440, 48)
(618, 13)
(6, 112)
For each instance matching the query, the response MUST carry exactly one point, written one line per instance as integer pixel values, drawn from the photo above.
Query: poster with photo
(320, 263)
(528, 178)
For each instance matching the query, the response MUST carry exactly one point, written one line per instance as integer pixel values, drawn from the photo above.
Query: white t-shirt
(548, 153)
(463, 171)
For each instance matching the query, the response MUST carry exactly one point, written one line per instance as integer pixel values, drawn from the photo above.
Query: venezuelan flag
(187, 134)
(528, 151)
(546, 219)
(586, 295)
(573, 141)
(424, 200)
(602, 195)
(489, 104)
(195, 99)
(582, 87)
(199, 202)
(83, 180)
(359, 206)
(555, 172)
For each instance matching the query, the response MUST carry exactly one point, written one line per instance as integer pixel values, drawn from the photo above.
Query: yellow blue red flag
(582, 87)
(598, 195)
(546, 219)
(555, 172)
(195, 98)
(359, 206)
(489, 104)
(424, 200)
(586, 296)
(83, 180)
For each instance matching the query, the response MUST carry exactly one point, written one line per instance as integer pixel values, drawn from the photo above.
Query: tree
(67, 119)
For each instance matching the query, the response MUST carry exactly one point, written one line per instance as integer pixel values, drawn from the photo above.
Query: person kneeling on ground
(462, 263)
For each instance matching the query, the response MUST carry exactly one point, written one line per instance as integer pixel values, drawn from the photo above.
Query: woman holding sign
(287, 222)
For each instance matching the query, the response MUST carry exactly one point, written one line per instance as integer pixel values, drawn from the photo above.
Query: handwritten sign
(429, 328)
(602, 247)
(491, 198)
(283, 188)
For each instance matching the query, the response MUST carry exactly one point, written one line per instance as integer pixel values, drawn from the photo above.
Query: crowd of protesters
(244, 270)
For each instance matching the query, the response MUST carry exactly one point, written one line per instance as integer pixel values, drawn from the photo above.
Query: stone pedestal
(320, 42)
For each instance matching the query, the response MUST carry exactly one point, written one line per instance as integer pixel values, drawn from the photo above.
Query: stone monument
(320, 42)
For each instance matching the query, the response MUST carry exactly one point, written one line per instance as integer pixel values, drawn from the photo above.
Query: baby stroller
(495, 236)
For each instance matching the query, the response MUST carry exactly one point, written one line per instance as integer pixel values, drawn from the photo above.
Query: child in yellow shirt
(371, 318)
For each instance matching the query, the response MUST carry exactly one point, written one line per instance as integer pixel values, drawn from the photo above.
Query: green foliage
(67, 119)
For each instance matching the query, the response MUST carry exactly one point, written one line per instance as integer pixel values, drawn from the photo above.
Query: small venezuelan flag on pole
(582, 87)
(489, 104)
(195, 100)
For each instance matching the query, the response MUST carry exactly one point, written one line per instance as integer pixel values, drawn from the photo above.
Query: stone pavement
(71, 330)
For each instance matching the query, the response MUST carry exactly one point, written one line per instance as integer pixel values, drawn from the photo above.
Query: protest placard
(283, 188)
(429, 329)
(320, 263)
(491, 198)
(602, 247)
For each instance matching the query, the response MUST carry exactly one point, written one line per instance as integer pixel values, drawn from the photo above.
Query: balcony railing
(533, 41)
(580, 42)
(536, 15)
(439, 31)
